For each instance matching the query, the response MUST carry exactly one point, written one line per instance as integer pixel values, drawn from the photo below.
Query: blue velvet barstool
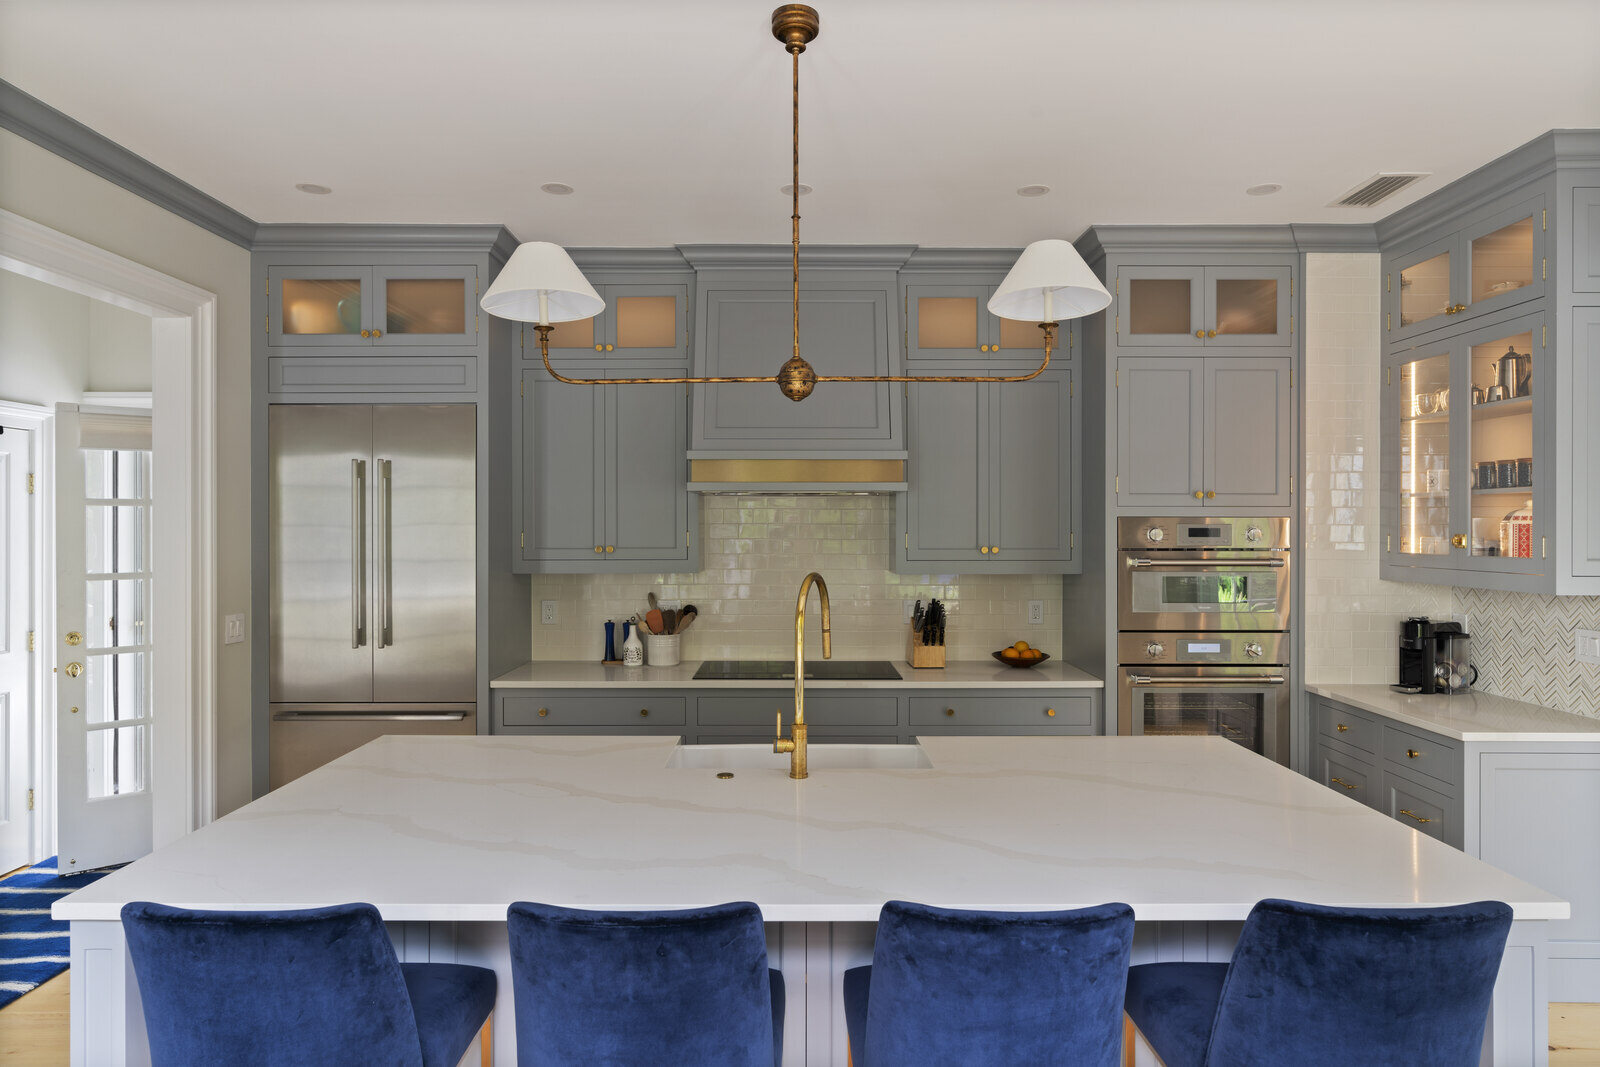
(317, 986)
(969, 987)
(1309, 984)
(626, 988)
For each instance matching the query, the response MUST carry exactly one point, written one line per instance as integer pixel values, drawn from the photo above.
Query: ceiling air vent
(1378, 188)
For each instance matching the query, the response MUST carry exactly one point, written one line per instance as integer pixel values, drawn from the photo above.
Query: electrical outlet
(1586, 645)
(547, 612)
(232, 629)
(1036, 612)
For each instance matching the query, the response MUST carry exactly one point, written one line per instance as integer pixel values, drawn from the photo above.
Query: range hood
(788, 473)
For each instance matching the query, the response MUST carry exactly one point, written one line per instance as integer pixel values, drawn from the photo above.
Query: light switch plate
(232, 629)
(1036, 612)
(547, 612)
(1586, 645)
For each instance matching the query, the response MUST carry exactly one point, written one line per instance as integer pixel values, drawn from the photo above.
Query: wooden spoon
(653, 620)
(669, 620)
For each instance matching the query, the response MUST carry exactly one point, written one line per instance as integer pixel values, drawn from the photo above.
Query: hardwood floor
(33, 1030)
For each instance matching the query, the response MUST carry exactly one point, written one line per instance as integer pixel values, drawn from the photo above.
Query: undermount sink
(819, 757)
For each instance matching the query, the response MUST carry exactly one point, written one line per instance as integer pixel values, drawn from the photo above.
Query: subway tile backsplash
(757, 549)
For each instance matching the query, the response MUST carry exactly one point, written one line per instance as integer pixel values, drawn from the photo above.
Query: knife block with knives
(925, 638)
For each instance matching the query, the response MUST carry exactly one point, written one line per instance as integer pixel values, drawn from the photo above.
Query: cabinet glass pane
(1247, 305)
(1015, 333)
(425, 305)
(321, 305)
(947, 322)
(647, 322)
(115, 613)
(1425, 289)
(117, 687)
(1501, 430)
(1503, 260)
(114, 539)
(117, 761)
(1158, 305)
(1425, 456)
(579, 333)
(115, 475)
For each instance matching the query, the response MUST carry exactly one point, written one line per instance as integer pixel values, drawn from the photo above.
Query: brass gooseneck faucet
(795, 743)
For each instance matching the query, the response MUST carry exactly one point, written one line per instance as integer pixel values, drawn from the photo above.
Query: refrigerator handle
(358, 552)
(385, 542)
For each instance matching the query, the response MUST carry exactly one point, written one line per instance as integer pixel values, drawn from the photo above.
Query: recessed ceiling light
(313, 188)
(1033, 190)
(788, 190)
(557, 188)
(1264, 189)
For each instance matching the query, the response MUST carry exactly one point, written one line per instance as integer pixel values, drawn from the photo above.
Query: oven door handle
(1209, 564)
(1145, 679)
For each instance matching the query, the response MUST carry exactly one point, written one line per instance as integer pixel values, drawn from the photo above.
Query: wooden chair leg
(486, 1042)
(1128, 1030)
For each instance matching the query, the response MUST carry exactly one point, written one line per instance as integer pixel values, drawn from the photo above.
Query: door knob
(74, 669)
(74, 637)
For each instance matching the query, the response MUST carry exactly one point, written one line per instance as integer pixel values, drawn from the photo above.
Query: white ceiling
(918, 120)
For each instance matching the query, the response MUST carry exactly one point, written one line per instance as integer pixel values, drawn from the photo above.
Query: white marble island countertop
(975, 674)
(1469, 716)
(456, 828)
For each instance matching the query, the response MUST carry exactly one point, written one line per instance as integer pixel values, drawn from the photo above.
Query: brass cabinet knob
(543, 712)
(366, 333)
(1199, 494)
(74, 669)
(1210, 494)
(1341, 727)
(984, 549)
(994, 550)
(1051, 712)
(377, 333)
(949, 711)
(599, 548)
(983, 348)
(1412, 753)
(74, 637)
(611, 548)
(74, 711)
(1211, 333)
(599, 348)
(644, 711)
(1459, 540)
(610, 347)
(1200, 335)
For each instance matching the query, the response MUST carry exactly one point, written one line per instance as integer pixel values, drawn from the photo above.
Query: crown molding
(382, 237)
(963, 260)
(1335, 237)
(629, 259)
(31, 118)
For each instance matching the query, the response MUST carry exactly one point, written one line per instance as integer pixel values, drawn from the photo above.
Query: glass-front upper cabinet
(1191, 307)
(1423, 385)
(952, 322)
(640, 321)
(384, 306)
(1497, 261)
(1503, 365)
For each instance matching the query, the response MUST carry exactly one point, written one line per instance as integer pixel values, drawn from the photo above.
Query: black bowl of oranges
(1020, 655)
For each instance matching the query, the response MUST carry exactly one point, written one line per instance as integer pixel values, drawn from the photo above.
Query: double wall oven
(1203, 629)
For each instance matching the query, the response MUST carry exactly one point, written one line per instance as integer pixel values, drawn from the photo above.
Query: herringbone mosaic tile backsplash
(1522, 646)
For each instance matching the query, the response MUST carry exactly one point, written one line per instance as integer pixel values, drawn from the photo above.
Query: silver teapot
(1514, 373)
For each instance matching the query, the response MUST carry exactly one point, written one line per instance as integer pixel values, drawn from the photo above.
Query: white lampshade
(1049, 282)
(540, 283)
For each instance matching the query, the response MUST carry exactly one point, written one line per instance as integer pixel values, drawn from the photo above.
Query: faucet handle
(781, 743)
(777, 731)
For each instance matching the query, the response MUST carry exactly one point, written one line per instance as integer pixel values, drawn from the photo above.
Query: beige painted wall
(45, 188)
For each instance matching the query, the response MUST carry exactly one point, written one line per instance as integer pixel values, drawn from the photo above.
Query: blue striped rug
(33, 947)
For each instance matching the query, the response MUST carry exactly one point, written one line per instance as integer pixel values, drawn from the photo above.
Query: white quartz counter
(456, 828)
(977, 674)
(1469, 716)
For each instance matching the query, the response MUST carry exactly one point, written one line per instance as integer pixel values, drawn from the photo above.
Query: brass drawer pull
(1412, 753)
(644, 711)
(1341, 781)
(1408, 813)
(543, 712)
(949, 711)
(1050, 712)
(1342, 728)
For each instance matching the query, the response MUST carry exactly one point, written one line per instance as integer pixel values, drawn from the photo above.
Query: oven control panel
(1243, 648)
(1234, 532)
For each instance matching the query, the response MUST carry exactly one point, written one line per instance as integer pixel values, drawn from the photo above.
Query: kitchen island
(442, 833)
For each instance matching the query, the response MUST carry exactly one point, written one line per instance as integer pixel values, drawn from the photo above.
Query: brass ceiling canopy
(796, 26)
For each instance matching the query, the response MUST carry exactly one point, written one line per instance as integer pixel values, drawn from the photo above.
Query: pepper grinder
(611, 642)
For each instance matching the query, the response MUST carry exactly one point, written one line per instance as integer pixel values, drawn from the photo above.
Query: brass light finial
(795, 25)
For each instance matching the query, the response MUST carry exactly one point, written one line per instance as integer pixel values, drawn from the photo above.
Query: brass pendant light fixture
(1049, 282)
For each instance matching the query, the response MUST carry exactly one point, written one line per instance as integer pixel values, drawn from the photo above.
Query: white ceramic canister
(662, 649)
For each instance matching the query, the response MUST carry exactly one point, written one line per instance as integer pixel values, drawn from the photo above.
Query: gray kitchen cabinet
(990, 476)
(947, 319)
(1528, 807)
(645, 318)
(601, 479)
(746, 716)
(1204, 431)
(1242, 305)
(387, 307)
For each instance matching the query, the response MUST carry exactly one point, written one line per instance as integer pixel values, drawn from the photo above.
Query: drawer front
(1047, 712)
(1347, 775)
(1421, 809)
(643, 709)
(1420, 753)
(1348, 726)
(755, 709)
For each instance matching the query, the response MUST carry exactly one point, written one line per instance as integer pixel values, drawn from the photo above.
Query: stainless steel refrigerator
(372, 576)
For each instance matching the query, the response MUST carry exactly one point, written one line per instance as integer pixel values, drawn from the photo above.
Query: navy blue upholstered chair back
(1373, 986)
(645, 988)
(315, 986)
(965, 987)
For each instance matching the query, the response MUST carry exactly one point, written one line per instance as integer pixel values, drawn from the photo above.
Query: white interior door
(17, 703)
(103, 690)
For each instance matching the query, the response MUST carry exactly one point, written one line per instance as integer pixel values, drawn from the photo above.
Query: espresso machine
(1435, 657)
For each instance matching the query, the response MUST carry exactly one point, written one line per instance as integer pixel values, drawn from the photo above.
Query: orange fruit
(1021, 646)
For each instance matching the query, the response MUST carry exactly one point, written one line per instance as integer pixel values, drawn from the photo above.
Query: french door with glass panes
(103, 673)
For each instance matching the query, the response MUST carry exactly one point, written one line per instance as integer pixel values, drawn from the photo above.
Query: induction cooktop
(821, 670)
